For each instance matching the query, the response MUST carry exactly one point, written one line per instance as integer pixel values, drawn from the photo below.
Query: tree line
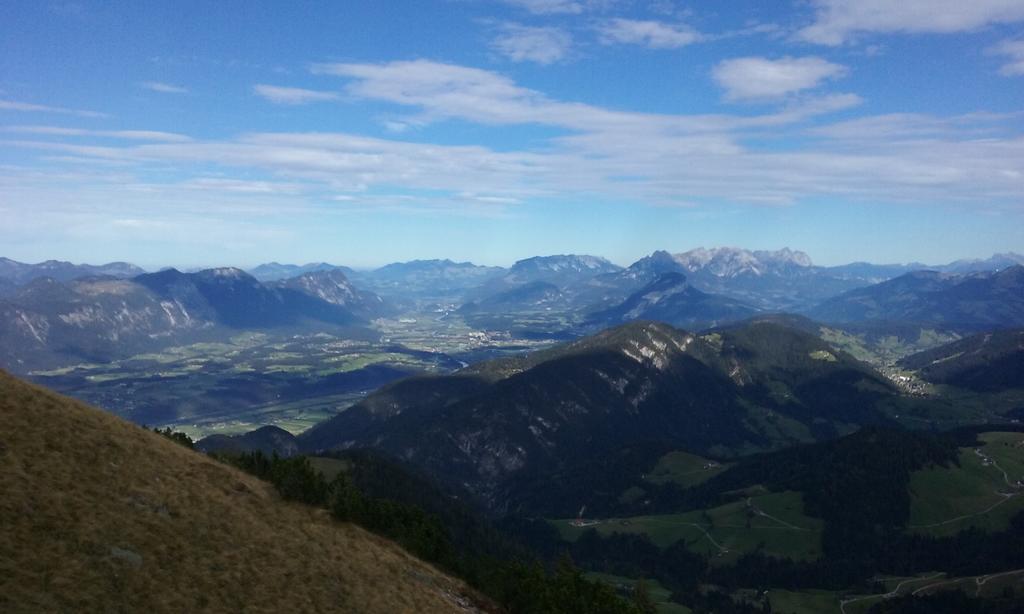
(518, 585)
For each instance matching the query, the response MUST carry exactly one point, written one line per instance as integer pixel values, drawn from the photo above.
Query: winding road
(1006, 496)
(893, 593)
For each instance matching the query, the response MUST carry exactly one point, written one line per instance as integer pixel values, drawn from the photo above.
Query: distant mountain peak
(20, 272)
(231, 272)
(227, 276)
(671, 298)
(656, 264)
(559, 262)
(733, 261)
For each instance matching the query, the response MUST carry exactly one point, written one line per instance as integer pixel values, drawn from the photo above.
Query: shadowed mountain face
(100, 515)
(267, 439)
(238, 300)
(671, 299)
(275, 271)
(754, 387)
(986, 362)
(989, 299)
(334, 287)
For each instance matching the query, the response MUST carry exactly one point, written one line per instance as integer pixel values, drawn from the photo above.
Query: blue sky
(360, 133)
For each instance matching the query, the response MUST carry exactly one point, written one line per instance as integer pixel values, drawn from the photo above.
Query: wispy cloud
(543, 45)
(548, 7)
(757, 78)
(14, 105)
(653, 34)
(836, 21)
(163, 88)
(903, 127)
(447, 91)
(241, 186)
(658, 159)
(292, 95)
(133, 135)
(1013, 50)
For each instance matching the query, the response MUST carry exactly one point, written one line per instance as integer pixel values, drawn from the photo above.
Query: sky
(360, 133)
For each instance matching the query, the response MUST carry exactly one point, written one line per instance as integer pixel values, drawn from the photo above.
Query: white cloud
(756, 78)
(136, 135)
(443, 90)
(548, 7)
(543, 45)
(653, 165)
(903, 127)
(653, 34)
(292, 95)
(240, 186)
(1014, 51)
(163, 88)
(447, 91)
(658, 159)
(838, 20)
(13, 105)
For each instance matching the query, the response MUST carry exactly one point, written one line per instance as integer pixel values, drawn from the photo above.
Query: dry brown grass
(99, 515)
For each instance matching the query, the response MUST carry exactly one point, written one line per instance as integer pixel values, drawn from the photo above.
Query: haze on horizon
(492, 130)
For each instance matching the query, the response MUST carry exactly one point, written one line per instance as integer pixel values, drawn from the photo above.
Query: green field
(253, 379)
(803, 602)
(977, 493)
(883, 349)
(684, 469)
(774, 522)
(659, 594)
(989, 585)
(292, 416)
(948, 407)
(361, 360)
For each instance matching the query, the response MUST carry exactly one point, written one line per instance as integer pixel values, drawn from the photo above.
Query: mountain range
(499, 424)
(426, 280)
(973, 300)
(274, 271)
(48, 323)
(20, 272)
(333, 286)
(671, 298)
(681, 406)
(777, 280)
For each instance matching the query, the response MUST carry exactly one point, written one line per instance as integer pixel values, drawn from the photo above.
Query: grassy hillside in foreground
(101, 515)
